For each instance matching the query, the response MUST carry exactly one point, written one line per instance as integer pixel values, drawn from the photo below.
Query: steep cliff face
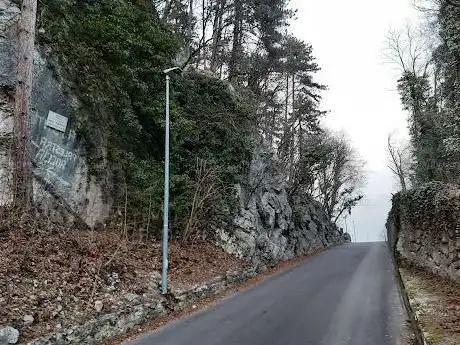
(423, 228)
(62, 183)
(270, 228)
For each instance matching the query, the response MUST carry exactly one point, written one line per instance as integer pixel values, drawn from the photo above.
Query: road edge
(415, 326)
(201, 304)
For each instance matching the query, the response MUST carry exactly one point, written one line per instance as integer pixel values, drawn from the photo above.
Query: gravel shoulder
(436, 304)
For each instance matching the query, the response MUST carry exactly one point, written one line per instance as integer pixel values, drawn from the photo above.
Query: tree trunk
(403, 184)
(292, 132)
(286, 105)
(217, 33)
(300, 138)
(204, 24)
(190, 28)
(237, 47)
(22, 178)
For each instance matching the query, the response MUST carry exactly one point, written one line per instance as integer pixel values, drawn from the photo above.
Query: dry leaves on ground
(56, 275)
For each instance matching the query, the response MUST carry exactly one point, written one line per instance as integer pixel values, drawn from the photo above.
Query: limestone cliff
(269, 227)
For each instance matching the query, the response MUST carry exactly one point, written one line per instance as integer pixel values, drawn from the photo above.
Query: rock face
(9, 13)
(269, 227)
(424, 228)
(63, 185)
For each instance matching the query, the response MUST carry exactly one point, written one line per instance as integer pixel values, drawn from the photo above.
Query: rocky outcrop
(269, 227)
(63, 185)
(9, 14)
(424, 228)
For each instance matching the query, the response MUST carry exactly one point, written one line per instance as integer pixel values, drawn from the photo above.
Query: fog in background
(348, 39)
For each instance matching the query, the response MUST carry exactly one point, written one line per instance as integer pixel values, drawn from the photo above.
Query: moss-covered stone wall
(424, 228)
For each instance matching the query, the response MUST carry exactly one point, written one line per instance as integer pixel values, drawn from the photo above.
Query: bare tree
(341, 179)
(409, 50)
(399, 163)
(22, 177)
(208, 192)
(331, 172)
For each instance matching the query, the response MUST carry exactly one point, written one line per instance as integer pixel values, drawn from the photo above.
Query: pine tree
(22, 175)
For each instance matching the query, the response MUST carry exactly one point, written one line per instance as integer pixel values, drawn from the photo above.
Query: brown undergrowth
(57, 274)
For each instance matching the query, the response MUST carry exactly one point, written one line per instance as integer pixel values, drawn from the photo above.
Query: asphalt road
(345, 296)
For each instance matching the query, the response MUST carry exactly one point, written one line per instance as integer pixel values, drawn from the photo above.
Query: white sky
(348, 39)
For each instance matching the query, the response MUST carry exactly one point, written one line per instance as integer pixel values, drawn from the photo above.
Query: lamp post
(164, 275)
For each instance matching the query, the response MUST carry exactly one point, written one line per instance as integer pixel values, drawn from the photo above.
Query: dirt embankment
(53, 278)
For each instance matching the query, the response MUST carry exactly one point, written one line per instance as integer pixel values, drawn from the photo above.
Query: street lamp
(164, 276)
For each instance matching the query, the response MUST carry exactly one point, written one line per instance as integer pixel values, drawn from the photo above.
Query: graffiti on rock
(53, 156)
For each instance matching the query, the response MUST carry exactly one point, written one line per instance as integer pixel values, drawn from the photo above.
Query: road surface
(345, 296)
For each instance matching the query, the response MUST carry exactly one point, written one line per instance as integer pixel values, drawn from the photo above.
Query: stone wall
(139, 310)
(424, 228)
(63, 185)
(270, 227)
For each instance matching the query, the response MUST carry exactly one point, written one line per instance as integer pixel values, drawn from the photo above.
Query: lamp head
(173, 69)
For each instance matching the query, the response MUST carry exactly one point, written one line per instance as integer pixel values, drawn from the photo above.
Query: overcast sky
(348, 39)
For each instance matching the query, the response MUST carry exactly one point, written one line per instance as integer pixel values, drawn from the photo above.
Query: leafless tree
(399, 162)
(331, 172)
(208, 192)
(410, 51)
(341, 179)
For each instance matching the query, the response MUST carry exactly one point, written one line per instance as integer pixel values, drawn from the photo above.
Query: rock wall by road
(63, 185)
(424, 228)
(269, 227)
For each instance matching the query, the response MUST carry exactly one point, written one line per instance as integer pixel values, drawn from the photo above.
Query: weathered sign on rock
(57, 121)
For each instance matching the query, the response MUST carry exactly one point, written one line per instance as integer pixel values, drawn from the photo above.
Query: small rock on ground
(28, 320)
(8, 335)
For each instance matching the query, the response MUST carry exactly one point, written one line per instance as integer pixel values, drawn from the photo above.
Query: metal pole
(346, 226)
(164, 277)
(354, 231)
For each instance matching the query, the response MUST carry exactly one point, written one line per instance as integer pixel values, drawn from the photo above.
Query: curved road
(345, 296)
